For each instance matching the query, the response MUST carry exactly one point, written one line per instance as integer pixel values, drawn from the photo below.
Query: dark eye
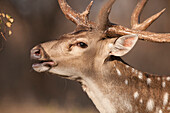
(82, 45)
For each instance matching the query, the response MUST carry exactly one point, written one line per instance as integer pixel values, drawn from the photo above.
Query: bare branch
(3, 36)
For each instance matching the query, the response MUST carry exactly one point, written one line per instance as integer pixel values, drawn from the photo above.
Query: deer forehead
(62, 45)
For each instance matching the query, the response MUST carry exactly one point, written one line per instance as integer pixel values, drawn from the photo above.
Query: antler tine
(136, 13)
(77, 18)
(149, 21)
(135, 18)
(87, 11)
(103, 15)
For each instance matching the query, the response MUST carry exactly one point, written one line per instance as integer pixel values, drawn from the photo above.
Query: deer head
(91, 55)
(88, 45)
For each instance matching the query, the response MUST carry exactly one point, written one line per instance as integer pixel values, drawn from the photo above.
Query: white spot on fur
(126, 82)
(158, 78)
(136, 95)
(168, 78)
(148, 81)
(168, 108)
(136, 72)
(141, 101)
(140, 75)
(160, 111)
(150, 105)
(127, 66)
(118, 72)
(165, 99)
(163, 84)
(133, 70)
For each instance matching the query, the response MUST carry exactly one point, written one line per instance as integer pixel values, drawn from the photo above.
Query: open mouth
(43, 65)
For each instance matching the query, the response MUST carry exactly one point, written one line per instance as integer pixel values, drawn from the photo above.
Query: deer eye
(82, 45)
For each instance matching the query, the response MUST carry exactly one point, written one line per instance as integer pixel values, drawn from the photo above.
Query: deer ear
(123, 45)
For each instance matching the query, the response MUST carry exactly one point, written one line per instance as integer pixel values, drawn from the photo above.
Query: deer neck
(125, 89)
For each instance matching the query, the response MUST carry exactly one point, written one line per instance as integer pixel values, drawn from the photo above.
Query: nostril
(36, 53)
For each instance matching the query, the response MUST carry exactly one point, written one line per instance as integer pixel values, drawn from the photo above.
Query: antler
(103, 20)
(143, 35)
(138, 27)
(111, 29)
(136, 14)
(77, 18)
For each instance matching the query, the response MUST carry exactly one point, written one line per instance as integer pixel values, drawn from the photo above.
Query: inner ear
(123, 45)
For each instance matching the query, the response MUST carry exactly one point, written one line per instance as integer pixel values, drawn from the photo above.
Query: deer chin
(43, 66)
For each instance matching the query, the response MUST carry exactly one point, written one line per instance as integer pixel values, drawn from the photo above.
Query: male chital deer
(91, 55)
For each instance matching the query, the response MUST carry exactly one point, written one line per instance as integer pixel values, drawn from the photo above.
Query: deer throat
(106, 102)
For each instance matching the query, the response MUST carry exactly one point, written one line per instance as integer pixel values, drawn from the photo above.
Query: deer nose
(36, 52)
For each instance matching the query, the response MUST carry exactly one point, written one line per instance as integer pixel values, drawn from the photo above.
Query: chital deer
(91, 55)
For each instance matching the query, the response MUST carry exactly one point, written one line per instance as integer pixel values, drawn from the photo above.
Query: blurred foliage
(6, 22)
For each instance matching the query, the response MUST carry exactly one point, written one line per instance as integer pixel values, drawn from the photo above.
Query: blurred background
(23, 91)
